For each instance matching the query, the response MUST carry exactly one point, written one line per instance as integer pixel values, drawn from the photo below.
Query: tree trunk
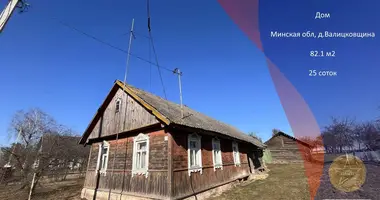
(35, 182)
(32, 187)
(66, 171)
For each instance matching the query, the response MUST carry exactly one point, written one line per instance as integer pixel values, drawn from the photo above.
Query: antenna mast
(179, 73)
(6, 14)
(129, 51)
(126, 103)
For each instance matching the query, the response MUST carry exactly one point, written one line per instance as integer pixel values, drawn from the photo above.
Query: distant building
(286, 149)
(318, 149)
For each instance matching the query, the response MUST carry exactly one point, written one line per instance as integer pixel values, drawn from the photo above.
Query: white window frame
(141, 138)
(198, 156)
(236, 153)
(101, 157)
(216, 142)
(118, 100)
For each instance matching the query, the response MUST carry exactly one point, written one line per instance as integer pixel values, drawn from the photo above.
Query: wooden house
(142, 147)
(286, 149)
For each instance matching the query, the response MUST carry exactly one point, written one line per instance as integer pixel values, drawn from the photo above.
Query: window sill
(103, 172)
(218, 166)
(195, 170)
(140, 172)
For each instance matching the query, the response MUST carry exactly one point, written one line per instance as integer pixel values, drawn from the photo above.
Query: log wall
(155, 185)
(284, 149)
(184, 185)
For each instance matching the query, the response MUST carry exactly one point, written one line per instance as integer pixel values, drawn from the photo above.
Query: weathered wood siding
(136, 117)
(156, 184)
(284, 149)
(95, 131)
(184, 185)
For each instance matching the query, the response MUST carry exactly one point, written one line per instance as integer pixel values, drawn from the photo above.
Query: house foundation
(88, 193)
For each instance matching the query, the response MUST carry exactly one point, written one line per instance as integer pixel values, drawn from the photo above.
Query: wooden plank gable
(131, 115)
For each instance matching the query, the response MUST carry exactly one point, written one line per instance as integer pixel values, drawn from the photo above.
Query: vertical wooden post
(88, 164)
(251, 157)
(177, 71)
(170, 165)
(32, 186)
(100, 160)
(282, 142)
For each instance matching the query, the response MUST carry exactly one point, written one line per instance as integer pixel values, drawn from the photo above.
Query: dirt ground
(370, 190)
(66, 190)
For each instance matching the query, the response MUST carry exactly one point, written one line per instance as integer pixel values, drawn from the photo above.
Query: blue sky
(68, 75)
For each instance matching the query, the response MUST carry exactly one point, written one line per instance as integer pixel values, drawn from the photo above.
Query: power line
(158, 66)
(154, 50)
(91, 36)
(137, 33)
(110, 45)
(150, 67)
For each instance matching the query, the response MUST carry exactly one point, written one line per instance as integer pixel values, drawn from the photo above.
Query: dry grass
(66, 190)
(284, 182)
(289, 182)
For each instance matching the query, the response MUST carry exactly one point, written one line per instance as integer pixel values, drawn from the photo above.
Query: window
(216, 154)
(103, 157)
(118, 105)
(194, 153)
(236, 154)
(140, 155)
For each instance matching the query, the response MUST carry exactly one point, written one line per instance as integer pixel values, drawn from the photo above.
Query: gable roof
(170, 114)
(290, 137)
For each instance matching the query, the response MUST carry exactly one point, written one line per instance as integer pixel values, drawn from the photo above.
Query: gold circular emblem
(347, 173)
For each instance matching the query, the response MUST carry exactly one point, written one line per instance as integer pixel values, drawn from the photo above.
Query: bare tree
(367, 133)
(29, 126)
(329, 141)
(44, 147)
(339, 134)
(275, 131)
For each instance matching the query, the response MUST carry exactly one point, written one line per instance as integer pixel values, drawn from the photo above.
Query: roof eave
(189, 127)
